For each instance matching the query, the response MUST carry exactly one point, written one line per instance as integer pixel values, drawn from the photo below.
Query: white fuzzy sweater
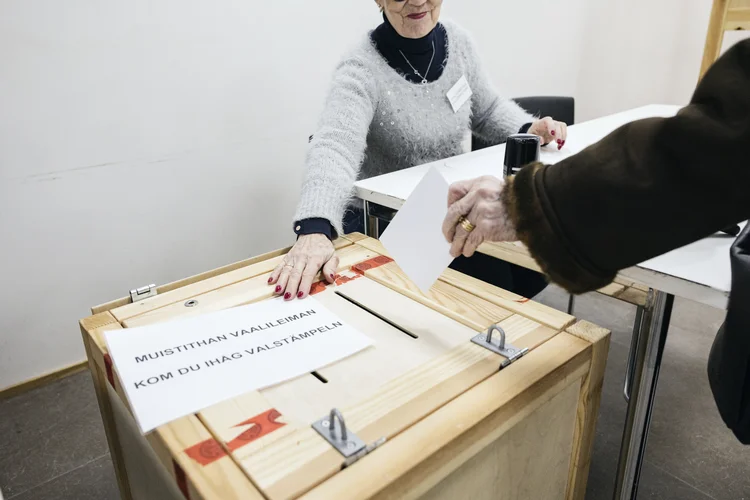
(375, 122)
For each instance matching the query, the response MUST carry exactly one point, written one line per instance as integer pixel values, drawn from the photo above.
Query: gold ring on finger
(468, 226)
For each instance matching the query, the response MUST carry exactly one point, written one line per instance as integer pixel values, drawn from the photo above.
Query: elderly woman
(390, 107)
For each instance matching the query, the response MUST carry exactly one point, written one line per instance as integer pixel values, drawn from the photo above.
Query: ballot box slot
(319, 377)
(377, 315)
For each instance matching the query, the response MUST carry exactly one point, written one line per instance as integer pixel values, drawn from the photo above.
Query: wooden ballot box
(431, 410)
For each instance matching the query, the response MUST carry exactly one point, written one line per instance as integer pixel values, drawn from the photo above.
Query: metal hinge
(511, 352)
(345, 442)
(143, 292)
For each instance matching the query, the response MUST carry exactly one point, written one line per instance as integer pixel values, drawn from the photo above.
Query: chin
(419, 30)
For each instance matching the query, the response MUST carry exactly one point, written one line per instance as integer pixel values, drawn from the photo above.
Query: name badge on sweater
(459, 94)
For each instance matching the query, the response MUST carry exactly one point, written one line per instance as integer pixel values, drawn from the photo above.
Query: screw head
(351, 445)
(325, 423)
(191, 303)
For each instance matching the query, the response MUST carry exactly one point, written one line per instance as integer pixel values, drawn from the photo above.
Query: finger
(462, 235)
(558, 135)
(330, 268)
(458, 190)
(550, 132)
(455, 212)
(286, 267)
(457, 247)
(472, 243)
(459, 240)
(564, 136)
(275, 274)
(295, 275)
(308, 276)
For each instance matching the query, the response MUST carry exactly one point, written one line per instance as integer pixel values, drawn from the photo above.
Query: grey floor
(53, 446)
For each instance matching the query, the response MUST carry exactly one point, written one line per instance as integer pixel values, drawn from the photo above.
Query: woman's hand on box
(294, 276)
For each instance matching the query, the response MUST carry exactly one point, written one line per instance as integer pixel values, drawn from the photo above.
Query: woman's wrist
(315, 225)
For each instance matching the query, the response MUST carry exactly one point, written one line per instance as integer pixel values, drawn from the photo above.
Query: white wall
(146, 141)
(640, 52)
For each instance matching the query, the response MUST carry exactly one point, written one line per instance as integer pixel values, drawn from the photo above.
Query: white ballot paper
(414, 239)
(173, 369)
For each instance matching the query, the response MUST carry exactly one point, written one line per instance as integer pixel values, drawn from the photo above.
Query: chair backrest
(560, 108)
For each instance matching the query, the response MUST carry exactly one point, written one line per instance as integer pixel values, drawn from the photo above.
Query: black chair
(561, 109)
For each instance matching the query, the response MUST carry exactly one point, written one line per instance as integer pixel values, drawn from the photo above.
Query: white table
(699, 272)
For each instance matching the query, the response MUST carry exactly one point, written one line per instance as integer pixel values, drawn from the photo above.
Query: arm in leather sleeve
(647, 188)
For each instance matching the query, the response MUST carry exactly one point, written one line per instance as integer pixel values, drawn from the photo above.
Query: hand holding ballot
(475, 214)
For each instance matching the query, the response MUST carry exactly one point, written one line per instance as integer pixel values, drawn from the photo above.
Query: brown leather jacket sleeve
(649, 187)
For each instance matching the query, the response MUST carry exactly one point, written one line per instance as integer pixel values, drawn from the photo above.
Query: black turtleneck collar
(418, 51)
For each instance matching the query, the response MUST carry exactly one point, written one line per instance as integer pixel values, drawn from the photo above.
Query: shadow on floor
(690, 452)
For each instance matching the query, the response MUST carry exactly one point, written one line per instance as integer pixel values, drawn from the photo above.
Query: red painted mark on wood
(108, 367)
(262, 425)
(378, 261)
(340, 280)
(210, 450)
(206, 452)
(181, 479)
(320, 286)
(317, 287)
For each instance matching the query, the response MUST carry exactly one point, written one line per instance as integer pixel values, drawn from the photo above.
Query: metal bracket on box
(143, 292)
(345, 442)
(511, 352)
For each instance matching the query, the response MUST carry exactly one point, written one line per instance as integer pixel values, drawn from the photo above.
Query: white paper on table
(414, 239)
(173, 369)
(704, 261)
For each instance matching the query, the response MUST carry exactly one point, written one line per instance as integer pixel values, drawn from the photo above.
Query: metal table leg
(371, 223)
(571, 304)
(366, 218)
(647, 360)
(637, 328)
(374, 213)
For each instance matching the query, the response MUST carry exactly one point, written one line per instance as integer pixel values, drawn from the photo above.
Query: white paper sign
(459, 93)
(173, 369)
(414, 238)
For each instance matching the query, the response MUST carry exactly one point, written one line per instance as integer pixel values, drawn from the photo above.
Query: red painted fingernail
(278, 288)
(299, 295)
(270, 279)
(287, 296)
(563, 143)
(552, 132)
